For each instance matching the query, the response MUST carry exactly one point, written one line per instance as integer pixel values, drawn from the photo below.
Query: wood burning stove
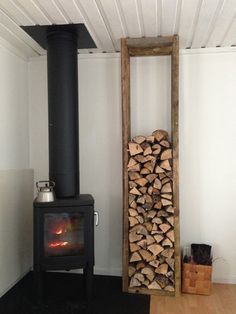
(64, 228)
(64, 238)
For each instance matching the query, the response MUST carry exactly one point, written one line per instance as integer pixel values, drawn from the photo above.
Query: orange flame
(57, 244)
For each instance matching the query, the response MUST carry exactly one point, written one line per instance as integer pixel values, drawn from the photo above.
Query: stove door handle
(96, 218)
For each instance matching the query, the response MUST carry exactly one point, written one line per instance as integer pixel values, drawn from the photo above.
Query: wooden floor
(221, 301)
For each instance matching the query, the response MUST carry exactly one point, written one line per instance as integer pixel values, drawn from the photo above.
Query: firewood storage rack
(158, 46)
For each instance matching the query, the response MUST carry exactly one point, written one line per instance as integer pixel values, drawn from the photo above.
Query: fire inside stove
(63, 234)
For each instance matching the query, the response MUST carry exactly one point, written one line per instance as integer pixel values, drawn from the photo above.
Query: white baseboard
(231, 280)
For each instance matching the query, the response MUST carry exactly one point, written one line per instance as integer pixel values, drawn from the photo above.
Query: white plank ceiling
(199, 23)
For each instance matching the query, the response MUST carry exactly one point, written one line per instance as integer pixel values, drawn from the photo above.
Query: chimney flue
(63, 112)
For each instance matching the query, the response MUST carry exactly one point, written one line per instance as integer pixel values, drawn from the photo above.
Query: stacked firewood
(151, 212)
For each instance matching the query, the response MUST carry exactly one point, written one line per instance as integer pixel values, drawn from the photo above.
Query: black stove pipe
(63, 112)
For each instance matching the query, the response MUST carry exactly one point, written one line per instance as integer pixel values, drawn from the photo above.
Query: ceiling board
(16, 13)
(188, 16)
(34, 10)
(149, 12)
(130, 12)
(223, 24)
(169, 15)
(199, 23)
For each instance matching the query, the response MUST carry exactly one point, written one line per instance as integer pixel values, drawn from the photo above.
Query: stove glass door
(63, 234)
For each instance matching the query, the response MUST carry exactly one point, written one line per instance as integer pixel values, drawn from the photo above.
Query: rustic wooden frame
(158, 46)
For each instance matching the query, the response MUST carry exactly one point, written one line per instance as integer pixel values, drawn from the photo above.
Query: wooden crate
(196, 279)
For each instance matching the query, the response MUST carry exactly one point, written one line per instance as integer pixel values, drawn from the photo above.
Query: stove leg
(88, 274)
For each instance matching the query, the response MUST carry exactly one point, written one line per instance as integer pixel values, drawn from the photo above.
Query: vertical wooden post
(126, 130)
(175, 142)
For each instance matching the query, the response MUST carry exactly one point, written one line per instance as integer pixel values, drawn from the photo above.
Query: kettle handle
(51, 184)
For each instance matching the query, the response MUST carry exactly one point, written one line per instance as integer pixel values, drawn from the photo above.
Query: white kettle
(45, 191)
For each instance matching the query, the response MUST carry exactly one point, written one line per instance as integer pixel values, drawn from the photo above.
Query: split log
(133, 212)
(134, 237)
(154, 263)
(133, 221)
(162, 269)
(165, 180)
(142, 244)
(144, 171)
(150, 190)
(147, 151)
(139, 139)
(139, 276)
(157, 220)
(171, 263)
(143, 189)
(165, 143)
(131, 162)
(171, 235)
(165, 165)
(134, 175)
(132, 270)
(170, 220)
(151, 177)
(134, 149)
(167, 196)
(135, 257)
(166, 188)
(141, 199)
(146, 282)
(148, 271)
(135, 191)
(150, 239)
(158, 205)
(166, 154)
(167, 242)
(147, 198)
(166, 202)
(134, 282)
(140, 265)
(139, 229)
(133, 205)
(155, 249)
(147, 256)
(162, 213)
(151, 214)
(157, 184)
(141, 181)
(154, 286)
(150, 165)
(148, 226)
(160, 135)
(162, 280)
(131, 198)
(140, 219)
(132, 184)
(158, 169)
(150, 139)
(141, 210)
(136, 167)
(170, 209)
(167, 253)
(158, 238)
(164, 227)
(133, 247)
(156, 149)
(140, 158)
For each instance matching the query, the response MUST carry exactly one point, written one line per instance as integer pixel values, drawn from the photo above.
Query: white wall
(15, 178)
(206, 144)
